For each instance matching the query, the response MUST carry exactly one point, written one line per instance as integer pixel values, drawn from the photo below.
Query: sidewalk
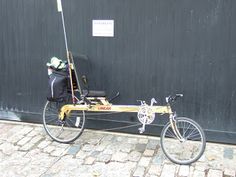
(26, 151)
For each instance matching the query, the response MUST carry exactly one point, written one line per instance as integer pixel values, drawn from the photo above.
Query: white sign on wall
(103, 28)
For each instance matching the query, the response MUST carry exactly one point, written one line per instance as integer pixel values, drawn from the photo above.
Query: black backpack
(57, 86)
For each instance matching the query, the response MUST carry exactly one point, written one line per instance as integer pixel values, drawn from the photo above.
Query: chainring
(146, 112)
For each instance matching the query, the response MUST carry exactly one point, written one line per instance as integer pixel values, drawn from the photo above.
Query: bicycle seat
(94, 93)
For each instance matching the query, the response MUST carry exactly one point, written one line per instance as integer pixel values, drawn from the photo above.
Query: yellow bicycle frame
(66, 109)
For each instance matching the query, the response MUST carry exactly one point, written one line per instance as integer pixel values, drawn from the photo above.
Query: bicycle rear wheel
(190, 149)
(63, 131)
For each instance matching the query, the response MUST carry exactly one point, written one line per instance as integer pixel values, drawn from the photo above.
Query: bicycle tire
(183, 152)
(65, 131)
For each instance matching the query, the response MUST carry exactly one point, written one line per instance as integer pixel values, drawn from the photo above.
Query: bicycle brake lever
(141, 101)
(179, 95)
(153, 101)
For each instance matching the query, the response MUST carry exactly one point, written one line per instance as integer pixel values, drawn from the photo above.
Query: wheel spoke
(51, 120)
(192, 132)
(169, 132)
(59, 133)
(186, 130)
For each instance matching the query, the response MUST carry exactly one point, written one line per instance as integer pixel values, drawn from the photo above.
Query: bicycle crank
(145, 114)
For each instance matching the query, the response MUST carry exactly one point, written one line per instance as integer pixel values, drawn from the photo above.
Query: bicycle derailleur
(145, 114)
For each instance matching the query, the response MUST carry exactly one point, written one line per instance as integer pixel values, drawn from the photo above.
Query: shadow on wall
(9, 115)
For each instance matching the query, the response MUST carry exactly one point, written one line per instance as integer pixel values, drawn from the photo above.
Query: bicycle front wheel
(187, 150)
(63, 131)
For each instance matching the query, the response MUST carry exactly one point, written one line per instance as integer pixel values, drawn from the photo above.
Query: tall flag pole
(60, 9)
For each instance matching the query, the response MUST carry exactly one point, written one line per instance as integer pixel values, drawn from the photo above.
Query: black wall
(160, 47)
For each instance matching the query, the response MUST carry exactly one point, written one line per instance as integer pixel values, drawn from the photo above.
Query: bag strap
(59, 65)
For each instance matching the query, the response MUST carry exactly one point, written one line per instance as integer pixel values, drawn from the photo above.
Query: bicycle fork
(175, 128)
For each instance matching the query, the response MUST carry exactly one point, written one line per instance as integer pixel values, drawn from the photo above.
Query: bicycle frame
(101, 104)
(66, 109)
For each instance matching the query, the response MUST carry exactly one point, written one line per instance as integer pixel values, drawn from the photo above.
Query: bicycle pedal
(141, 130)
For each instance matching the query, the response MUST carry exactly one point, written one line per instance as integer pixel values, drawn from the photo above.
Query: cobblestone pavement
(26, 150)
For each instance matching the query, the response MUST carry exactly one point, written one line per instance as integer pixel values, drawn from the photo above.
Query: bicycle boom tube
(66, 109)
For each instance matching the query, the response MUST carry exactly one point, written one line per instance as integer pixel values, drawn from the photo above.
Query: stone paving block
(155, 170)
(197, 173)
(44, 161)
(184, 171)
(24, 140)
(32, 133)
(144, 161)
(107, 138)
(120, 138)
(5, 128)
(211, 157)
(148, 175)
(27, 146)
(33, 153)
(108, 151)
(215, 173)
(203, 158)
(58, 152)
(218, 164)
(100, 147)
(8, 148)
(89, 161)
(94, 141)
(49, 149)
(158, 159)
(36, 139)
(228, 153)
(10, 133)
(168, 171)
(191, 170)
(134, 156)
(127, 148)
(62, 145)
(148, 152)
(14, 139)
(105, 143)
(201, 166)
(44, 144)
(18, 154)
(112, 169)
(119, 157)
(82, 154)
(95, 153)
(143, 141)
(88, 147)
(106, 158)
(73, 149)
(153, 144)
(115, 146)
(32, 170)
(229, 173)
(140, 147)
(25, 130)
(139, 172)
(65, 164)
(132, 140)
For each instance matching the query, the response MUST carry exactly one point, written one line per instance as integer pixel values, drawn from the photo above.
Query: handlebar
(173, 98)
